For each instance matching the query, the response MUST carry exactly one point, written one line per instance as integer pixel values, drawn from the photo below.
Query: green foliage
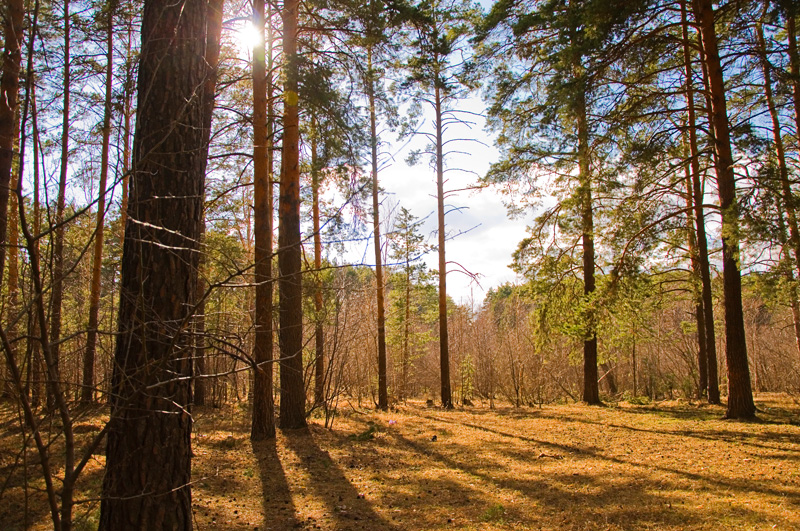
(368, 434)
(495, 513)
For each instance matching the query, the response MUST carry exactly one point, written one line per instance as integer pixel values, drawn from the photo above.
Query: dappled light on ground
(666, 466)
(672, 466)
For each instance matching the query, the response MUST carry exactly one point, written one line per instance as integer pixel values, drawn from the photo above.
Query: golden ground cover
(670, 466)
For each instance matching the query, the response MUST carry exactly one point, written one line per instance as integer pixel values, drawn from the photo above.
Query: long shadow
(623, 500)
(708, 434)
(743, 486)
(277, 504)
(347, 509)
(627, 505)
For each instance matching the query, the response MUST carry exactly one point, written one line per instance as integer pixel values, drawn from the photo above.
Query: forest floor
(666, 466)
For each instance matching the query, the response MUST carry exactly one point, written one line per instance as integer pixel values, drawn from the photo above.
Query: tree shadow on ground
(742, 486)
(277, 504)
(571, 499)
(345, 508)
(18, 513)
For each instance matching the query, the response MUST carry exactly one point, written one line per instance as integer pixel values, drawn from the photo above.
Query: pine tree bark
(263, 422)
(87, 388)
(383, 394)
(740, 394)
(213, 34)
(57, 293)
(293, 399)
(12, 306)
(444, 351)
(9, 105)
(148, 467)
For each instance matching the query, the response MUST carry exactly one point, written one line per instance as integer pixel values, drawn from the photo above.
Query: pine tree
(292, 407)
(435, 72)
(148, 464)
(740, 394)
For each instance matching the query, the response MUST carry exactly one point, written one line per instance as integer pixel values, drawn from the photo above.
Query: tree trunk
(13, 247)
(293, 398)
(591, 390)
(740, 394)
(383, 395)
(444, 352)
(406, 326)
(148, 465)
(698, 250)
(702, 240)
(9, 108)
(35, 361)
(319, 331)
(263, 426)
(87, 389)
(213, 34)
(57, 294)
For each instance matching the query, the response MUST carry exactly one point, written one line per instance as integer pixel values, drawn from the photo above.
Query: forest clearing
(671, 465)
(232, 295)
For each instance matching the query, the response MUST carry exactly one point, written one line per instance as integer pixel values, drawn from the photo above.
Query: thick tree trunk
(9, 104)
(263, 422)
(293, 398)
(148, 466)
(383, 394)
(13, 247)
(740, 394)
(444, 351)
(87, 389)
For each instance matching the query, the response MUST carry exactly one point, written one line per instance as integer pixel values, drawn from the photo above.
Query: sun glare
(247, 37)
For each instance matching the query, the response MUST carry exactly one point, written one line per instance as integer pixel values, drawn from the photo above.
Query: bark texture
(263, 422)
(146, 485)
(293, 398)
(9, 103)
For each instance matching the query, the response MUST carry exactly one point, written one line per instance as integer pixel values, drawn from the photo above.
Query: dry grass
(671, 466)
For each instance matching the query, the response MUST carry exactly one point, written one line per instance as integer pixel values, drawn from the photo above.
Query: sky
(484, 237)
